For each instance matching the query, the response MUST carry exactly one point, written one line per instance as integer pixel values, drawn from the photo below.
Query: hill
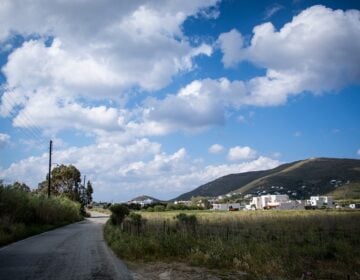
(299, 179)
(144, 197)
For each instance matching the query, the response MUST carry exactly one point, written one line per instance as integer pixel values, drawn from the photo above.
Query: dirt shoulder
(179, 271)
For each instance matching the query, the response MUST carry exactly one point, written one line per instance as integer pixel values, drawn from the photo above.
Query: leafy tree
(65, 180)
(200, 201)
(20, 187)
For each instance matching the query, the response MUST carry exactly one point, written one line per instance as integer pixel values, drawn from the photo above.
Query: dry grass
(279, 243)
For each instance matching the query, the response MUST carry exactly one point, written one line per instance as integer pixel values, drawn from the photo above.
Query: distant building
(355, 206)
(269, 201)
(321, 201)
(291, 205)
(226, 206)
(143, 200)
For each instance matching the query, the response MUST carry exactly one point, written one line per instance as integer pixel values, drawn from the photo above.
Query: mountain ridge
(300, 179)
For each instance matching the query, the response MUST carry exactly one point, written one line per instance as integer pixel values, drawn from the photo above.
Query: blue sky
(159, 97)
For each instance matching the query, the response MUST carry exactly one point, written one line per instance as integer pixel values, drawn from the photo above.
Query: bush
(118, 213)
(23, 213)
(159, 208)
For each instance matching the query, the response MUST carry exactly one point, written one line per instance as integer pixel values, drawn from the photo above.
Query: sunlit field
(261, 243)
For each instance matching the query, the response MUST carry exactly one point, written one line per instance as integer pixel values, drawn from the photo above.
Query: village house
(142, 201)
(321, 201)
(226, 206)
(269, 201)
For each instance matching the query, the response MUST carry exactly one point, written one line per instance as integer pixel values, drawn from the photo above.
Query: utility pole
(84, 192)
(49, 180)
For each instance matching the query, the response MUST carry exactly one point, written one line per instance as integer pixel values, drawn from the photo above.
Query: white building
(292, 205)
(321, 201)
(269, 201)
(144, 202)
(226, 206)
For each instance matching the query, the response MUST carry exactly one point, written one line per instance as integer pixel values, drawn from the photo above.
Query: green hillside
(299, 179)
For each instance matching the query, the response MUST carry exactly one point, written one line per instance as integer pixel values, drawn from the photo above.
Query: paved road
(77, 251)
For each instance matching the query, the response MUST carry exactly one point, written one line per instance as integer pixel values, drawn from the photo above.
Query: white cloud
(239, 153)
(230, 43)
(272, 10)
(124, 171)
(216, 149)
(137, 44)
(4, 140)
(197, 105)
(124, 46)
(358, 152)
(317, 51)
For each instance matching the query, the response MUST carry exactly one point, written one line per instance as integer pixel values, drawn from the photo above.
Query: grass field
(261, 243)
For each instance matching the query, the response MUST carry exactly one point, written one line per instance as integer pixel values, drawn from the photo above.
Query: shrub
(186, 219)
(23, 213)
(159, 208)
(118, 213)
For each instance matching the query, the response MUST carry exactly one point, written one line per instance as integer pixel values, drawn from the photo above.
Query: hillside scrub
(23, 213)
(261, 243)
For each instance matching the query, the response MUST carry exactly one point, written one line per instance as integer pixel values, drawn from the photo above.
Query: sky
(159, 97)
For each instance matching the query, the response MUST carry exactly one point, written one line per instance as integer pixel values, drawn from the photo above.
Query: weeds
(23, 214)
(279, 243)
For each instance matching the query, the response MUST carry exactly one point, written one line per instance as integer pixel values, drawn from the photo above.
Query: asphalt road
(77, 251)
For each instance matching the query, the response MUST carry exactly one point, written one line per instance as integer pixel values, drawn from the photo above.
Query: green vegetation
(23, 213)
(66, 181)
(347, 192)
(262, 243)
(118, 213)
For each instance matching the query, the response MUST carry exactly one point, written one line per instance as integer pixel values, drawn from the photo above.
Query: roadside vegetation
(261, 243)
(24, 212)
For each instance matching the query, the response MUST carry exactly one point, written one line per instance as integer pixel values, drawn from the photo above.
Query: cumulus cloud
(197, 105)
(317, 51)
(216, 149)
(4, 140)
(71, 61)
(125, 171)
(230, 43)
(239, 153)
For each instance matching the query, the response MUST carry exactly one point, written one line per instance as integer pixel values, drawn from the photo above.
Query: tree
(89, 192)
(65, 180)
(20, 187)
(118, 213)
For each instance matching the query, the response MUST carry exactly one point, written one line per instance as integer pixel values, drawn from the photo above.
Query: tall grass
(262, 243)
(23, 213)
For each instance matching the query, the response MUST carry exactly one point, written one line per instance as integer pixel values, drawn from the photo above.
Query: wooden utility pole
(49, 179)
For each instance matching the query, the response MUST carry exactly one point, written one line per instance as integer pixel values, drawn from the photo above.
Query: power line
(32, 125)
(26, 125)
